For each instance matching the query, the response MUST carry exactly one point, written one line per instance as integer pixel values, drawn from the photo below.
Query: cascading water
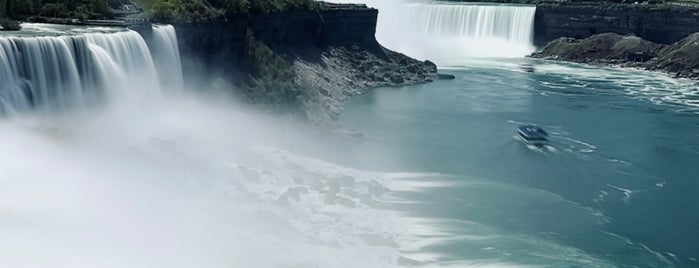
(35, 70)
(167, 56)
(184, 181)
(447, 33)
(76, 69)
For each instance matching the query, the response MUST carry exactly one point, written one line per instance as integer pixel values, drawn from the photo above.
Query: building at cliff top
(124, 8)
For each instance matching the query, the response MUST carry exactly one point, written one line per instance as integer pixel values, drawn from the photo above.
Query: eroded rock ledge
(312, 59)
(680, 59)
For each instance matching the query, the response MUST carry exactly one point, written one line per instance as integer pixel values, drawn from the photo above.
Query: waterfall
(448, 33)
(478, 22)
(46, 72)
(167, 56)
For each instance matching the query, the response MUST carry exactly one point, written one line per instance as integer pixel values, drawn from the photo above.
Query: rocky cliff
(312, 59)
(660, 23)
(663, 24)
(680, 59)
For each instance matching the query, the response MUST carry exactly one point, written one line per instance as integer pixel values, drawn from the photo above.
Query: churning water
(107, 162)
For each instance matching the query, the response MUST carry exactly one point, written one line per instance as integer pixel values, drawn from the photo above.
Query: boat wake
(539, 148)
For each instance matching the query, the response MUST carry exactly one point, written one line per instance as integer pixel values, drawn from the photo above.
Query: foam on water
(655, 87)
(187, 181)
(183, 186)
(196, 182)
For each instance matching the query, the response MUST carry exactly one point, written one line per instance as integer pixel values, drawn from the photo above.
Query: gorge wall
(223, 42)
(315, 59)
(661, 24)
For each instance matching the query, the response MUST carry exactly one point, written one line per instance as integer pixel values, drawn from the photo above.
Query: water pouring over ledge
(54, 67)
(106, 163)
(448, 33)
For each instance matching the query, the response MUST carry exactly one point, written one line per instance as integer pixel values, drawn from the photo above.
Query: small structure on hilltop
(123, 8)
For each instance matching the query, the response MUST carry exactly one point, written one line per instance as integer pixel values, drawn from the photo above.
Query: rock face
(333, 54)
(343, 72)
(609, 48)
(680, 58)
(663, 24)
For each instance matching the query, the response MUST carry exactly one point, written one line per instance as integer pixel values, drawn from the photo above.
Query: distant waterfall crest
(449, 33)
(60, 72)
(510, 23)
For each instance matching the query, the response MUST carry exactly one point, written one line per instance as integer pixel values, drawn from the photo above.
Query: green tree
(8, 8)
(54, 10)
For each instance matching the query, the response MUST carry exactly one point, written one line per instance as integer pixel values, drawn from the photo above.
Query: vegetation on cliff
(204, 10)
(271, 78)
(160, 10)
(81, 9)
(180, 10)
(590, 2)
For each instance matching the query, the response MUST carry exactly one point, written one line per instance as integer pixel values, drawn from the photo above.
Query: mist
(191, 182)
(112, 160)
(157, 175)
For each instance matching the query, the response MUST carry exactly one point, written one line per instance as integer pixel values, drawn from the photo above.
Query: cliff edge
(660, 23)
(308, 62)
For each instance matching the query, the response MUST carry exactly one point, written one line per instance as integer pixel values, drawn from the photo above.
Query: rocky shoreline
(343, 72)
(680, 59)
(310, 61)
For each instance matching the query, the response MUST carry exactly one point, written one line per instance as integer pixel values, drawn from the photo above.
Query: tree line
(162, 10)
(81, 9)
(201, 10)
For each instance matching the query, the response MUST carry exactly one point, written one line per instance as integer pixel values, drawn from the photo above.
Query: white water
(167, 56)
(190, 183)
(448, 33)
(52, 73)
(136, 176)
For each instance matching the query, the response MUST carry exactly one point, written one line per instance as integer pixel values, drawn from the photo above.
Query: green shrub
(182, 11)
(231, 7)
(201, 10)
(58, 10)
(273, 77)
(273, 6)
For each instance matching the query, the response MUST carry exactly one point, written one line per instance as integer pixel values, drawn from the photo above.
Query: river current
(616, 187)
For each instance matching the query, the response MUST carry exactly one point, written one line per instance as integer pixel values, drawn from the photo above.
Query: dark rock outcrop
(680, 59)
(663, 24)
(602, 48)
(343, 72)
(446, 76)
(333, 54)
